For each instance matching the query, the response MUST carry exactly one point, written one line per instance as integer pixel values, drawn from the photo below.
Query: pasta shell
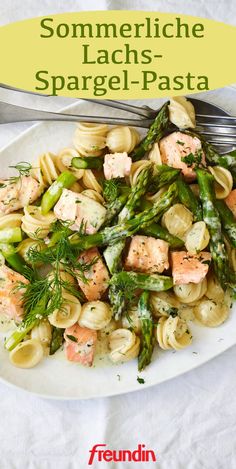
(42, 333)
(182, 113)
(92, 194)
(154, 155)
(132, 321)
(63, 162)
(191, 292)
(26, 245)
(90, 139)
(177, 220)
(197, 237)
(223, 181)
(214, 290)
(122, 139)
(124, 345)
(90, 181)
(27, 354)
(11, 220)
(34, 224)
(212, 314)
(173, 333)
(95, 315)
(136, 168)
(163, 303)
(69, 313)
(46, 171)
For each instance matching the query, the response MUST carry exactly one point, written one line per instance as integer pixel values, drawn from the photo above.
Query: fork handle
(11, 113)
(142, 111)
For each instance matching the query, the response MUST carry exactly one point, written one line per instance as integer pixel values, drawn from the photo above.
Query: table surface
(188, 421)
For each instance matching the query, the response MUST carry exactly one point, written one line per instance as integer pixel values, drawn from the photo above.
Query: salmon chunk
(19, 194)
(117, 165)
(11, 299)
(81, 210)
(177, 146)
(147, 254)
(231, 201)
(80, 343)
(97, 275)
(189, 268)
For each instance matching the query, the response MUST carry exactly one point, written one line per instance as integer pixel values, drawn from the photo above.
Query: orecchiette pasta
(212, 314)
(34, 224)
(122, 138)
(11, 220)
(136, 168)
(68, 314)
(197, 237)
(90, 139)
(178, 220)
(42, 333)
(124, 345)
(90, 181)
(46, 171)
(223, 181)
(27, 354)
(95, 315)
(182, 113)
(190, 292)
(214, 291)
(63, 162)
(163, 303)
(92, 194)
(173, 333)
(132, 321)
(154, 155)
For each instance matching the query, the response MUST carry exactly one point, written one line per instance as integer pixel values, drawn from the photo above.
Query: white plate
(58, 379)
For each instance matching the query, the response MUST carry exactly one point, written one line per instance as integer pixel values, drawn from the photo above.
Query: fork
(220, 130)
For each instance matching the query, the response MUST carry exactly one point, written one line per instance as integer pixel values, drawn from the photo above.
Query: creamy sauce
(6, 324)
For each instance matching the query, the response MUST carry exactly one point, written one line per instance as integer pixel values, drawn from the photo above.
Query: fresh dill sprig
(44, 295)
(23, 169)
(111, 189)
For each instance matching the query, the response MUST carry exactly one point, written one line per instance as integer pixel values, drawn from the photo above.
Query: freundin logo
(100, 454)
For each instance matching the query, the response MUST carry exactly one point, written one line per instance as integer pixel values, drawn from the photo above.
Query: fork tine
(214, 117)
(211, 124)
(227, 132)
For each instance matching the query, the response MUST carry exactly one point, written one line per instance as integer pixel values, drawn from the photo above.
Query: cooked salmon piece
(11, 299)
(117, 165)
(177, 146)
(147, 254)
(82, 210)
(19, 194)
(189, 268)
(231, 201)
(80, 343)
(97, 275)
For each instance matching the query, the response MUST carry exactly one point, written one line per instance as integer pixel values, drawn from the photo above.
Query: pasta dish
(119, 241)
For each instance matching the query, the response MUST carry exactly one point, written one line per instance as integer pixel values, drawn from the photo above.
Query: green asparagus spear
(57, 340)
(155, 133)
(212, 220)
(11, 235)
(165, 175)
(115, 233)
(188, 198)
(18, 335)
(13, 258)
(227, 220)
(114, 207)
(89, 162)
(51, 196)
(123, 284)
(147, 339)
(112, 254)
(157, 231)
(213, 158)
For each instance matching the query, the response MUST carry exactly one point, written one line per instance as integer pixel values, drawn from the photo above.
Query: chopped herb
(180, 143)
(71, 337)
(140, 380)
(193, 159)
(118, 376)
